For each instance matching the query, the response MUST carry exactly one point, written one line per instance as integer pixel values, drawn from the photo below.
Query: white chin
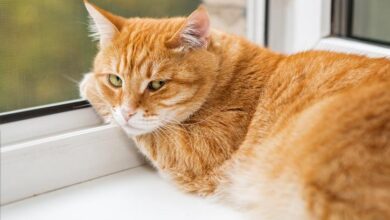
(131, 131)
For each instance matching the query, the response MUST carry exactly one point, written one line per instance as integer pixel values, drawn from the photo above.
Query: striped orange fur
(302, 136)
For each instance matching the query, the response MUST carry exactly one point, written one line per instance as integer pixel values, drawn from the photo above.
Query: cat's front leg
(188, 155)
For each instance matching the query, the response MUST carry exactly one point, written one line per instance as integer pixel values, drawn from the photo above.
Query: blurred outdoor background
(45, 48)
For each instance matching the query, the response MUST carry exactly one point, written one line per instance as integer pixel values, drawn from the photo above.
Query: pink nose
(128, 113)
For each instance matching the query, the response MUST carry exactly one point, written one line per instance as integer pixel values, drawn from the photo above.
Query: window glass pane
(45, 48)
(371, 20)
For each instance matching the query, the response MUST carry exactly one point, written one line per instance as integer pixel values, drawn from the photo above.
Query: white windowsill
(41, 165)
(352, 47)
(138, 193)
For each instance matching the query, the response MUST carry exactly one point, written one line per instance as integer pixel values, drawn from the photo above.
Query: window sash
(298, 25)
(22, 114)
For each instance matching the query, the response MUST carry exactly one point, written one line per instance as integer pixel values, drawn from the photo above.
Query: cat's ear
(103, 25)
(195, 33)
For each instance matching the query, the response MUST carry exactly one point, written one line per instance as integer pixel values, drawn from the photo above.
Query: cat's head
(149, 72)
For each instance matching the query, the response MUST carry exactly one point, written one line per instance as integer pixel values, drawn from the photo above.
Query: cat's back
(302, 79)
(325, 130)
(329, 71)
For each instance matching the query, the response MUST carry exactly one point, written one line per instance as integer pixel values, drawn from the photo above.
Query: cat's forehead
(140, 48)
(149, 33)
(135, 61)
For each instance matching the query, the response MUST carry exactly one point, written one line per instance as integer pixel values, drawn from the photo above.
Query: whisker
(69, 78)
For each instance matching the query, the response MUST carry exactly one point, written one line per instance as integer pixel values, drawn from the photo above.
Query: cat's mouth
(146, 126)
(137, 127)
(137, 124)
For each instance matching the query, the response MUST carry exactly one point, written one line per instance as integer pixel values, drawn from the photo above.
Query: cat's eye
(156, 85)
(115, 80)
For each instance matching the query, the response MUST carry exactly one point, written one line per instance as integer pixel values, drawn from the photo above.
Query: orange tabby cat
(305, 136)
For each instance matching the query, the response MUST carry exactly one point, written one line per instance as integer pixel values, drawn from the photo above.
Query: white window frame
(352, 46)
(299, 25)
(46, 125)
(256, 20)
(75, 143)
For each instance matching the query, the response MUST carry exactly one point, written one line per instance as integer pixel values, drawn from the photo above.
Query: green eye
(115, 80)
(156, 85)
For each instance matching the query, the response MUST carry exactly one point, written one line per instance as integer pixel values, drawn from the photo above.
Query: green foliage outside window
(45, 48)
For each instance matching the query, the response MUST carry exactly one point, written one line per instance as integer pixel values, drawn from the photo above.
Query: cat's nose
(127, 113)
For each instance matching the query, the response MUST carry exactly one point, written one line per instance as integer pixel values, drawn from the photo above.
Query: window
(362, 20)
(45, 47)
